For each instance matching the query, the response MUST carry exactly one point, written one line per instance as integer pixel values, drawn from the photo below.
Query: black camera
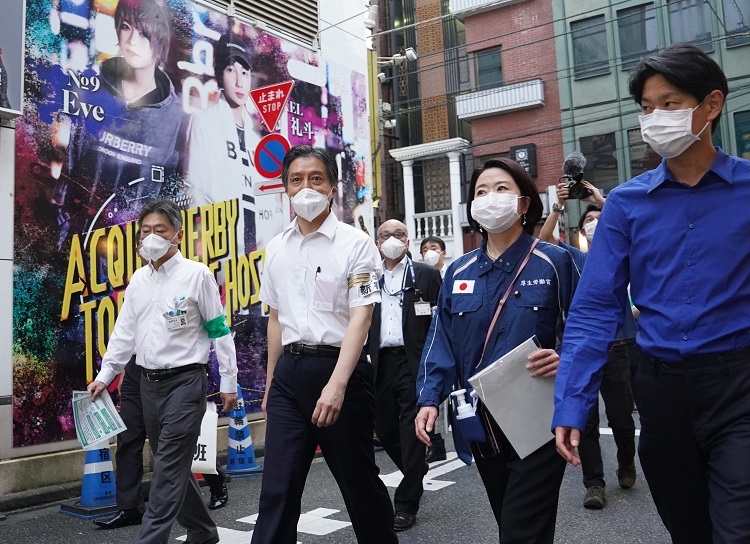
(575, 187)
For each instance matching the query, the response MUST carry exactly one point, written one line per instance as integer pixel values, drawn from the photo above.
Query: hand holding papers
(521, 405)
(95, 420)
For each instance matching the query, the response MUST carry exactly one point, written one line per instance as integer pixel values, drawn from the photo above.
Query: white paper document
(95, 420)
(521, 404)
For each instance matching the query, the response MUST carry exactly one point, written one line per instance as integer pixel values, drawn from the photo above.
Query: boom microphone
(573, 165)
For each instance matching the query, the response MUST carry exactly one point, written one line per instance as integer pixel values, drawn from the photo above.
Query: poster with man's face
(131, 100)
(11, 58)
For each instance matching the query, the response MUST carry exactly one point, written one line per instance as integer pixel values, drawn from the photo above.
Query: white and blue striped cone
(98, 487)
(240, 453)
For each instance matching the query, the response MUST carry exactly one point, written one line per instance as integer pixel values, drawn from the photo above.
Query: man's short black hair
(323, 155)
(149, 18)
(164, 206)
(432, 240)
(686, 67)
(590, 208)
(525, 184)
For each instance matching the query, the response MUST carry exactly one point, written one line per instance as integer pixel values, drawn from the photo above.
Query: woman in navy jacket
(504, 206)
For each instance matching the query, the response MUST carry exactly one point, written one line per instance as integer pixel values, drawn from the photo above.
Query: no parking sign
(269, 155)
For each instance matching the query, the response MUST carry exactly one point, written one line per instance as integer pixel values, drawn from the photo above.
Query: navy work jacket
(469, 297)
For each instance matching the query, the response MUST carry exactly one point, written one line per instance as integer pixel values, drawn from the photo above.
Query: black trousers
(395, 410)
(291, 440)
(695, 445)
(523, 493)
(129, 455)
(616, 391)
(172, 411)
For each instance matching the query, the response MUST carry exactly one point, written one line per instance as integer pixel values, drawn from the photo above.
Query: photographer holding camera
(615, 388)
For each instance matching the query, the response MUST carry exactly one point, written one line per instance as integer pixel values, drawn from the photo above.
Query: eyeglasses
(400, 235)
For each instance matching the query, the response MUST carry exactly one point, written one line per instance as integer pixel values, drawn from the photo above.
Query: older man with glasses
(400, 323)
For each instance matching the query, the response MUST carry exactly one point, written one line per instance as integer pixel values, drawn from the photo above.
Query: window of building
(642, 157)
(636, 28)
(601, 161)
(689, 22)
(742, 133)
(737, 22)
(489, 68)
(590, 53)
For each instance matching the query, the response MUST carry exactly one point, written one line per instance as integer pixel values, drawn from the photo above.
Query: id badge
(422, 308)
(176, 319)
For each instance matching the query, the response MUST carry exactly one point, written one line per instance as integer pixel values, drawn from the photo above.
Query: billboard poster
(126, 101)
(11, 58)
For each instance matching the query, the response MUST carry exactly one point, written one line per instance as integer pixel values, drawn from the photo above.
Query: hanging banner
(126, 101)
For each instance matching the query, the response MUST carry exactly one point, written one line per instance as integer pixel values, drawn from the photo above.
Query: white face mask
(154, 247)
(309, 203)
(589, 229)
(669, 132)
(393, 248)
(496, 212)
(431, 257)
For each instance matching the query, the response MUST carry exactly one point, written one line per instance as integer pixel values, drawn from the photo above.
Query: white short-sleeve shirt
(313, 281)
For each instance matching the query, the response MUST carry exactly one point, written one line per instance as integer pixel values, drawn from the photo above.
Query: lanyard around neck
(400, 292)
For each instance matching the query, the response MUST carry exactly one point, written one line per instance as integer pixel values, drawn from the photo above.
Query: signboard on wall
(95, 142)
(525, 155)
(11, 58)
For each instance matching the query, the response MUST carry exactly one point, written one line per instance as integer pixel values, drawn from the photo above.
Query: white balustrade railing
(438, 224)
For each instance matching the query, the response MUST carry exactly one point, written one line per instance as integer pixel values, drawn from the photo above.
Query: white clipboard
(522, 405)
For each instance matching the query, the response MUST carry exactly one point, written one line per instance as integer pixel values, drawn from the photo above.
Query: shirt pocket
(326, 292)
(465, 304)
(539, 307)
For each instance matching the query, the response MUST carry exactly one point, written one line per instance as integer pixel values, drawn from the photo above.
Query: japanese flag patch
(463, 286)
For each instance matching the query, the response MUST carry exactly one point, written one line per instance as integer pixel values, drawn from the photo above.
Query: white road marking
(315, 522)
(440, 467)
(607, 430)
(230, 536)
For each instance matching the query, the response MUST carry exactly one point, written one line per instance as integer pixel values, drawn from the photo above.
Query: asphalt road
(454, 508)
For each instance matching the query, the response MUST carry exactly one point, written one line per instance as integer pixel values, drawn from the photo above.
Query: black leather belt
(393, 350)
(710, 362)
(298, 348)
(166, 373)
(625, 342)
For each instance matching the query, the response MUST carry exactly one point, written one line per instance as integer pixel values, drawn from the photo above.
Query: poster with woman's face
(11, 58)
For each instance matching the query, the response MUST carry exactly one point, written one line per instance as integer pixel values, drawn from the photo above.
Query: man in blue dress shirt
(659, 232)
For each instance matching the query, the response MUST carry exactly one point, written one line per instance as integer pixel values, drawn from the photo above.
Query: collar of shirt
(509, 259)
(395, 280)
(168, 267)
(722, 167)
(327, 228)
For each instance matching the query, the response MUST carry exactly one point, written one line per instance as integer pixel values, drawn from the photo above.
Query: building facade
(600, 42)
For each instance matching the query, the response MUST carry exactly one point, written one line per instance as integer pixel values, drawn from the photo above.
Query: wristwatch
(558, 209)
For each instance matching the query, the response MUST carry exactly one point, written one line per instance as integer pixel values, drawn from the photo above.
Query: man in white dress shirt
(171, 314)
(320, 282)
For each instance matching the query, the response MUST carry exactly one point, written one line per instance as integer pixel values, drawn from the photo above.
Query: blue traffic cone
(240, 453)
(98, 487)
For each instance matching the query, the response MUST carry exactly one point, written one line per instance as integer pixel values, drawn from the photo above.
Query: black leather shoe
(212, 540)
(122, 519)
(403, 521)
(219, 498)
